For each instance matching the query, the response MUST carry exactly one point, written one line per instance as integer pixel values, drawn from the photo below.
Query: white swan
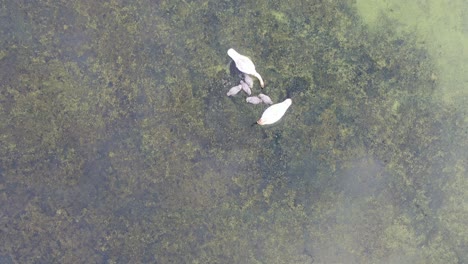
(244, 64)
(274, 113)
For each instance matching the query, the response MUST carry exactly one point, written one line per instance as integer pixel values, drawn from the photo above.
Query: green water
(119, 144)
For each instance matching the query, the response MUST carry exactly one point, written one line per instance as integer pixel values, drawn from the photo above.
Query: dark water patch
(297, 86)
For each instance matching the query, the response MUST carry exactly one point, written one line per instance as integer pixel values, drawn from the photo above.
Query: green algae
(121, 146)
(441, 28)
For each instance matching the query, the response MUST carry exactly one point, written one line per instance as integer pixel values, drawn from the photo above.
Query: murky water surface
(119, 144)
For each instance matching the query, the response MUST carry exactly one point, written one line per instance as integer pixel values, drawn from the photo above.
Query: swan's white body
(274, 113)
(244, 64)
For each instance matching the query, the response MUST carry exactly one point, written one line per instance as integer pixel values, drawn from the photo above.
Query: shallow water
(119, 144)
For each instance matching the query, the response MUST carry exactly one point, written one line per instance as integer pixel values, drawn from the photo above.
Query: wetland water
(119, 144)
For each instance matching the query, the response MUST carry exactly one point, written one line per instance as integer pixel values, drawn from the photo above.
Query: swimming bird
(265, 98)
(245, 87)
(245, 65)
(274, 113)
(248, 80)
(254, 100)
(234, 90)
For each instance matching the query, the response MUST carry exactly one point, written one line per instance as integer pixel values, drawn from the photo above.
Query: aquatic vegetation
(120, 145)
